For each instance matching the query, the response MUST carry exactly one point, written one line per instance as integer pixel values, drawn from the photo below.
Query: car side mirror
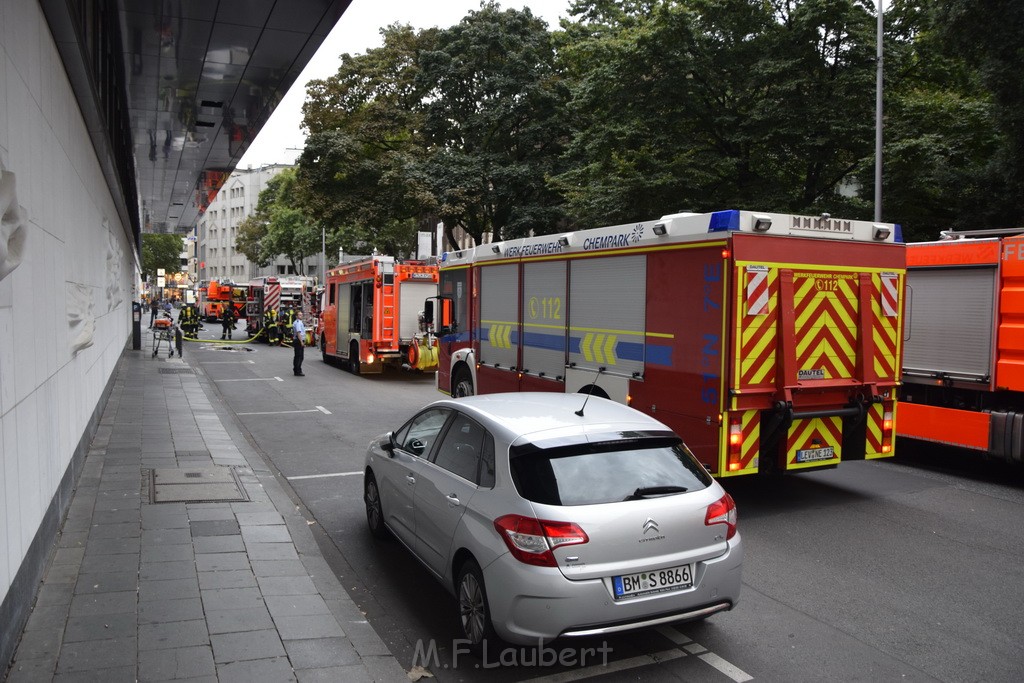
(389, 445)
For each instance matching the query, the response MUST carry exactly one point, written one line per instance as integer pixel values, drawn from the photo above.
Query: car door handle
(453, 500)
(410, 479)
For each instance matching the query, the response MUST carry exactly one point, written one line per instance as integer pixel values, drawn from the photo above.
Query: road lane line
(323, 410)
(673, 635)
(694, 648)
(734, 672)
(324, 476)
(251, 379)
(282, 412)
(611, 667)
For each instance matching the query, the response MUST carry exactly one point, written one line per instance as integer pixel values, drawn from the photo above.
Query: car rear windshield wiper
(645, 491)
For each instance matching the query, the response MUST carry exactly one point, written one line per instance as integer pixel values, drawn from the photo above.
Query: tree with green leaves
(279, 226)
(495, 121)
(160, 250)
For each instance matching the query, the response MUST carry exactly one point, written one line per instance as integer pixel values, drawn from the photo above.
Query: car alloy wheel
(374, 511)
(474, 613)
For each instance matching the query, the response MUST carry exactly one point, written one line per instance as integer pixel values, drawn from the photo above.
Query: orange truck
(963, 360)
(371, 314)
(216, 295)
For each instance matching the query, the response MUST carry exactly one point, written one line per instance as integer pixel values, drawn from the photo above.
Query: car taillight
(532, 540)
(723, 511)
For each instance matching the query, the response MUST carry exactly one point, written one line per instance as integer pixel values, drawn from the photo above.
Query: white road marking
(282, 412)
(323, 410)
(324, 476)
(673, 635)
(694, 648)
(611, 667)
(734, 672)
(250, 379)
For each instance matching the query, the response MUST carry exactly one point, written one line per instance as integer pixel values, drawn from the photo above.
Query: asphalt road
(909, 569)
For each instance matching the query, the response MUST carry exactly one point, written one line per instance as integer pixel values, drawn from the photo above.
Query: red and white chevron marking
(757, 290)
(890, 297)
(272, 298)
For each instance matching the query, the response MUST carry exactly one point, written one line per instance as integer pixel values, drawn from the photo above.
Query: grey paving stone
(124, 602)
(238, 578)
(320, 652)
(167, 553)
(209, 514)
(171, 589)
(101, 627)
(365, 639)
(107, 582)
(175, 634)
(62, 573)
(270, 551)
(215, 527)
(122, 530)
(39, 644)
(236, 647)
(74, 539)
(114, 517)
(232, 598)
(236, 620)
(279, 568)
(186, 663)
(384, 669)
(259, 518)
(257, 671)
(308, 626)
(32, 670)
(68, 556)
(162, 571)
(170, 610)
(296, 605)
(355, 673)
(218, 544)
(217, 562)
(47, 617)
(265, 534)
(287, 585)
(121, 674)
(54, 594)
(112, 546)
(162, 537)
(94, 655)
(98, 564)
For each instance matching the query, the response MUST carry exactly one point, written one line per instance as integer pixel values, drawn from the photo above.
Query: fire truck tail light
(369, 358)
(725, 253)
(722, 511)
(735, 442)
(887, 431)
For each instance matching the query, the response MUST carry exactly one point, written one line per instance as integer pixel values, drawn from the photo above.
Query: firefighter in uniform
(270, 325)
(188, 320)
(285, 323)
(227, 316)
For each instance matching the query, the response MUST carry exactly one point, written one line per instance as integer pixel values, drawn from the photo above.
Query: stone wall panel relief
(115, 257)
(81, 319)
(13, 225)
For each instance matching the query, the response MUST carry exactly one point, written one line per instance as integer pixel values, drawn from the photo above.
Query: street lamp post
(878, 119)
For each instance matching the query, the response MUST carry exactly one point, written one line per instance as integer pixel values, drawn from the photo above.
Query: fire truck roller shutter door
(343, 319)
(411, 297)
(950, 319)
(544, 317)
(607, 309)
(499, 315)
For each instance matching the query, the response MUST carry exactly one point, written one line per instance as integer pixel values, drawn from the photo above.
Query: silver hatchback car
(546, 520)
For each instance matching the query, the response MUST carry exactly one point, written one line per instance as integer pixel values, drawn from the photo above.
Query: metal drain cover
(196, 485)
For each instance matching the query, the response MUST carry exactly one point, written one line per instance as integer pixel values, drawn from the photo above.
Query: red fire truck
(963, 360)
(771, 342)
(277, 293)
(217, 294)
(371, 314)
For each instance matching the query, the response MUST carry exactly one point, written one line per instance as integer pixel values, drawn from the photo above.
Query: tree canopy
(632, 109)
(279, 226)
(160, 250)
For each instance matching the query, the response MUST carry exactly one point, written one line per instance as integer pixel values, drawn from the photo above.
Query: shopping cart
(164, 330)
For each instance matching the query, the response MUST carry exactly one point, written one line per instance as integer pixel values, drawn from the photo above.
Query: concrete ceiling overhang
(200, 79)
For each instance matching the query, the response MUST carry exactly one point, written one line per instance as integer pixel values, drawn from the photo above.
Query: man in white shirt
(298, 343)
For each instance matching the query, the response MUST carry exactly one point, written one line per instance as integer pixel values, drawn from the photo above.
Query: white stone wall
(65, 308)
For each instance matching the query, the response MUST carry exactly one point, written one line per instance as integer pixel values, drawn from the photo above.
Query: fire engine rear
(371, 314)
(769, 341)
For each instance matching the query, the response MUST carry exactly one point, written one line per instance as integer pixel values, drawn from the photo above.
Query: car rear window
(606, 472)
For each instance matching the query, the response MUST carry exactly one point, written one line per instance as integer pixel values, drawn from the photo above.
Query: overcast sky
(357, 31)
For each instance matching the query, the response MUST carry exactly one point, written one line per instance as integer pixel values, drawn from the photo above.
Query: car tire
(462, 384)
(374, 510)
(474, 610)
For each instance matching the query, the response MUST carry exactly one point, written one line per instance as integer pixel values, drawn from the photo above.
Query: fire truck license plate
(657, 581)
(812, 454)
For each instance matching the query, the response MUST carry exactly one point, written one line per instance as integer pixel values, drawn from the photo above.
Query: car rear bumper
(538, 603)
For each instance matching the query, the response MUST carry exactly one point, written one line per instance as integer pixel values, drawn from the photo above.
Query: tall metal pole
(323, 254)
(878, 120)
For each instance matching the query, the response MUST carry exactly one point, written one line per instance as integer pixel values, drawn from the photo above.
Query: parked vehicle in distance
(592, 517)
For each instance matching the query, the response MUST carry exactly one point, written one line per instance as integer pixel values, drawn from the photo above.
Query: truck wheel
(462, 384)
(353, 358)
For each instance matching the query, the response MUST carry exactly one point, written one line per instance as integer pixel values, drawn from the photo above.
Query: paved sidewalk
(204, 591)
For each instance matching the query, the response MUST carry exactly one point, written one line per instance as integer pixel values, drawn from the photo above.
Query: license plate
(812, 454)
(655, 581)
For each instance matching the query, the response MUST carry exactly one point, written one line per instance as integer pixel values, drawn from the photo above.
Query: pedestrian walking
(154, 306)
(298, 344)
(227, 319)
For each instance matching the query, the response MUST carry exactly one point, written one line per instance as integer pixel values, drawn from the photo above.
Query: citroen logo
(650, 525)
